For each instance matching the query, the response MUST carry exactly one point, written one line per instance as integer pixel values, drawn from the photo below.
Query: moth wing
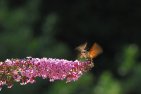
(82, 50)
(82, 47)
(95, 50)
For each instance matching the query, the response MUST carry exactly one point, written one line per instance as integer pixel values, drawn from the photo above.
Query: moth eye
(84, 51)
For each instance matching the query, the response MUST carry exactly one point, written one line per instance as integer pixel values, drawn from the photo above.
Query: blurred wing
(82, 47)
(95, 50)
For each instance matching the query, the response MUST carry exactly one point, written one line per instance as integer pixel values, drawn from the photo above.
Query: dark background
(53, 28)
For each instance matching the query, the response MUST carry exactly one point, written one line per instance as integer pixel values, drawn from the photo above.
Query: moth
(90, 54)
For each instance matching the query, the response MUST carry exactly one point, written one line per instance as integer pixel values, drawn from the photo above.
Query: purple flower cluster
(26, 70)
